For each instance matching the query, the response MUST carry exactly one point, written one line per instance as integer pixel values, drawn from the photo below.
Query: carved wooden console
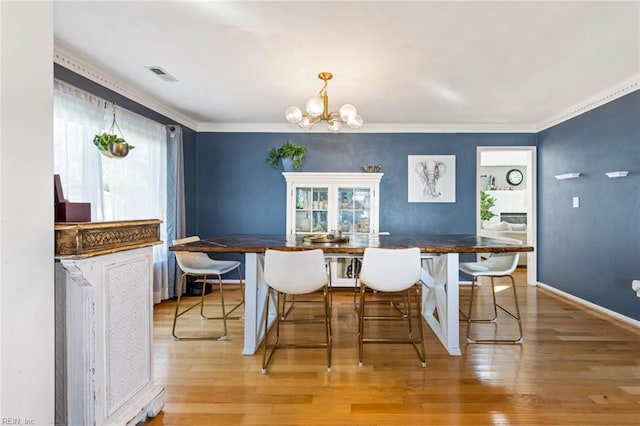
(104, 323)
(77, 240)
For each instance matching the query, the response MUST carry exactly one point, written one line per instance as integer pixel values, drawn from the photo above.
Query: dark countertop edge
(435, 244)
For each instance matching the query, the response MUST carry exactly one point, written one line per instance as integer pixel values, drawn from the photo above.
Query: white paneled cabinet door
(320, 203)
(311, 209)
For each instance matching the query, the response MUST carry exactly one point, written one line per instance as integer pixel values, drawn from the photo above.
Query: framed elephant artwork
(432, 179)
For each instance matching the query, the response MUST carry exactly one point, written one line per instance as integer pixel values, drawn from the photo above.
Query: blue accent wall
(237, 191)
(592, 252)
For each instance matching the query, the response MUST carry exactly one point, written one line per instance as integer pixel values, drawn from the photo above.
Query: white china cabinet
(322, 203)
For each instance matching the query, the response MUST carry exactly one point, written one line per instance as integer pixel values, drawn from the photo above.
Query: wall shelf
(617, 174)
(567, 176)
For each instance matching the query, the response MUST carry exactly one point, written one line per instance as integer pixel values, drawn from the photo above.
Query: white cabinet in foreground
(104, 323)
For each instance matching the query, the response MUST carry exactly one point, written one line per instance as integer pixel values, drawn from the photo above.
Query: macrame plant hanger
(112, 143)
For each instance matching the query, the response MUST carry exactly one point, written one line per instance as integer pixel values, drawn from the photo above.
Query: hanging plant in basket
(110, 144)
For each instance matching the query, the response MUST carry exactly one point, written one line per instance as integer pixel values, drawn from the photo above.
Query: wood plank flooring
(575, 367)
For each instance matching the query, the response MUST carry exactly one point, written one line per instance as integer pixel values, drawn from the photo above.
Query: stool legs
(225, 314)
(470, 319)
(269, 348)
(416, 341)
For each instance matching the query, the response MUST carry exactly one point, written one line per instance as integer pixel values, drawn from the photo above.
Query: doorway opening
(508, 176)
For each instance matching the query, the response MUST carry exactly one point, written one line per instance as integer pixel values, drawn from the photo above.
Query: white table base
(440, 294)
(440, 277)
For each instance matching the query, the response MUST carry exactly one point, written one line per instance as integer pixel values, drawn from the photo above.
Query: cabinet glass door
(354, 209)
(311, 209)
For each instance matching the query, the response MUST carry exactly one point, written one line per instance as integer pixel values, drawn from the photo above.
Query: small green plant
(289, 149)
(486, 203)
(102, 141)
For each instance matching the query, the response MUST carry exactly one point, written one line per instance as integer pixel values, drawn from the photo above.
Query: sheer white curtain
(78, 116)
(134, 187)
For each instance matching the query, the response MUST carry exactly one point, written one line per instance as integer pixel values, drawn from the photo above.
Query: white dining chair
(295, 273)
(391, 272)
(495, 266)
(202, 267)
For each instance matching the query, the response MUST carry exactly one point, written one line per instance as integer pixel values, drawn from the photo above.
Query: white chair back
(390, 269)
(503, 263)
(190, 261)
(295, 272)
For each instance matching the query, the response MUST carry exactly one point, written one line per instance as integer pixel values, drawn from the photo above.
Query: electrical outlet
(576, 202)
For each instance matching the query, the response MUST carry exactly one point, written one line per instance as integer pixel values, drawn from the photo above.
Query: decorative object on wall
(432, 178)
(371, 168)
(567, 176)
(514, 177)
(290, 154)
(491, 183)
(617, 174)
(317, 109)
(110, 144)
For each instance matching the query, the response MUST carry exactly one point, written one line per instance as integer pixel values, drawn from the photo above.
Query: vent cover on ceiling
(162, 73)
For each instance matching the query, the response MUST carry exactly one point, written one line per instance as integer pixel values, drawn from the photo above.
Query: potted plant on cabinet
(290, 154)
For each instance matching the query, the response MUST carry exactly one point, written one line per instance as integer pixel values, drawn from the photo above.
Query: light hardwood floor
(575, 367)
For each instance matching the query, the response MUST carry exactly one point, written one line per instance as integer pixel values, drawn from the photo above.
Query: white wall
(503, 158)
(26, 213)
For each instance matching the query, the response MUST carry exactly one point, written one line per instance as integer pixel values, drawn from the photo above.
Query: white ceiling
(404, 64)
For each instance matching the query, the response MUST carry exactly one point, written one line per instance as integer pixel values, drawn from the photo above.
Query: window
(134, 187)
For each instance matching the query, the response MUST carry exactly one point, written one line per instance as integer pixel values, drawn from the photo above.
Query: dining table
(440, 275)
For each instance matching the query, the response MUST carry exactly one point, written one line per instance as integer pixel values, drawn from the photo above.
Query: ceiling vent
(162, 73)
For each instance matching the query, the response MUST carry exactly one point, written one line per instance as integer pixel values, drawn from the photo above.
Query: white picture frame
(431, 178)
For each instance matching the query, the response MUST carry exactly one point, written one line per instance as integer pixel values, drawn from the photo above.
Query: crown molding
(64, 57)
(603, 98)
(368, 128)
(67, 59)
(607, 96)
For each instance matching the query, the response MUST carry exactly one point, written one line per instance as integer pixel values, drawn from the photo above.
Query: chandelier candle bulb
(317, 109)
(348, 112)
(355, 123)
(294, 115)
(305, 123)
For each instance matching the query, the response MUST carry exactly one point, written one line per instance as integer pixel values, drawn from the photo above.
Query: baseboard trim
(608, 312)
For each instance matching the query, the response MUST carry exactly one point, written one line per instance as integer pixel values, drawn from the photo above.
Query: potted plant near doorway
(486, 204)
(290, 154)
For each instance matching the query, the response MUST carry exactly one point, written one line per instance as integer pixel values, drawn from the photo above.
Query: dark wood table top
(438, 244)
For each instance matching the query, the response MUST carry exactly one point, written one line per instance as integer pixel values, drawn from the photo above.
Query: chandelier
(317, 109)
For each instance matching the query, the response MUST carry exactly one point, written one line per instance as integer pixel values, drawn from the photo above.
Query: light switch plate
(576, 202)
